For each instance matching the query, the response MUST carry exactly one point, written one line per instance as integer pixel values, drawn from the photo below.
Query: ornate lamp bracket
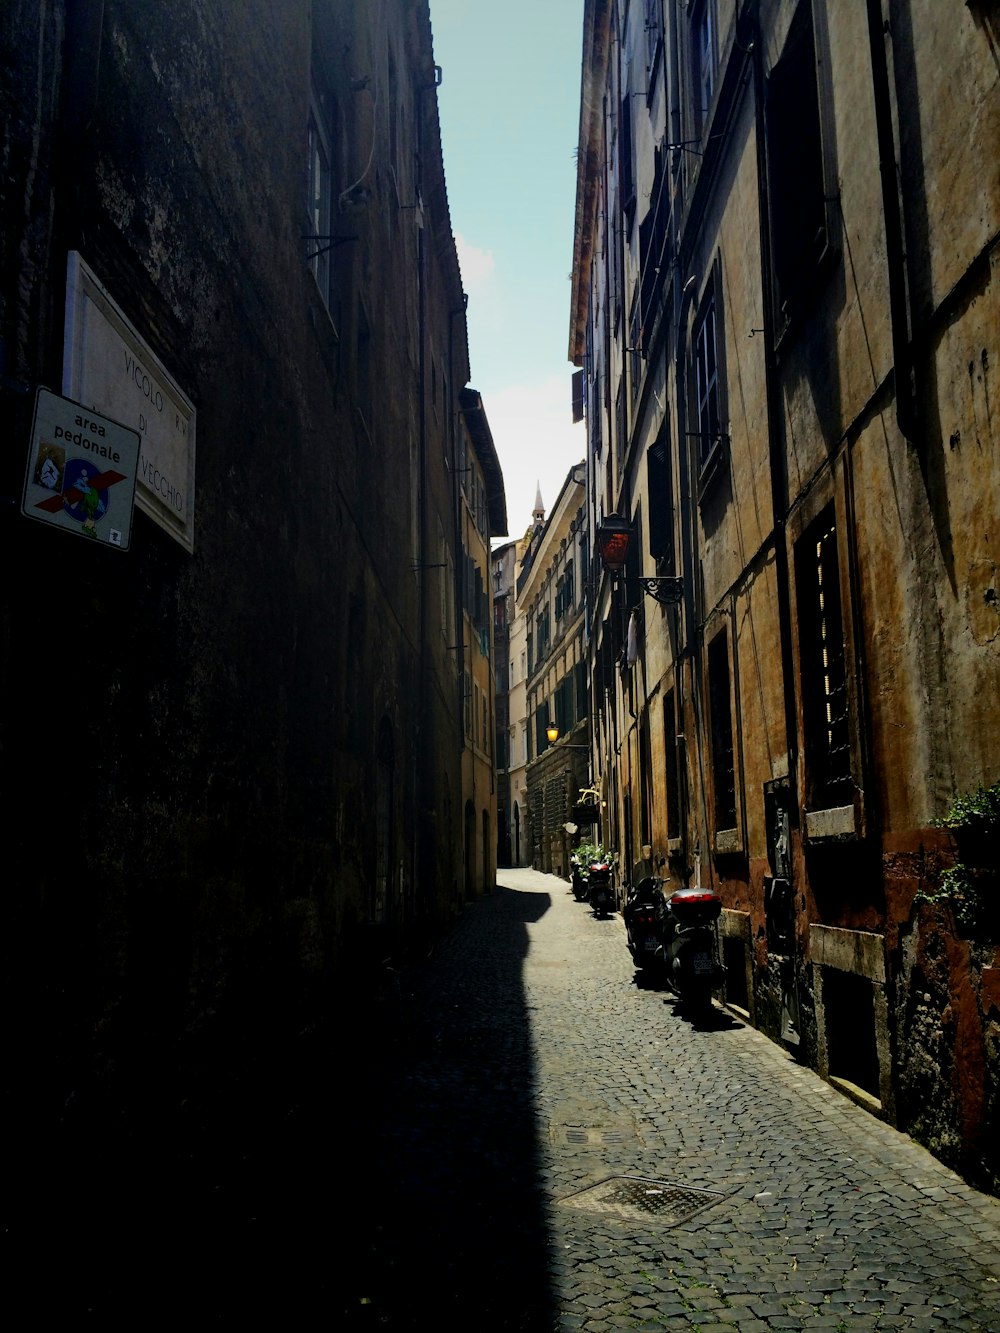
(666, 591)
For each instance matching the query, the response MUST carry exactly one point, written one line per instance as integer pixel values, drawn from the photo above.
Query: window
(654, 256)
(319, 186)
(634, 362)
(577, 395)
(541, 722)
(564, 705)
(703, 61)
(645, 781)
(661, 502)
(626, 162)
(795, 164)
(822, 665)
(672, 769)
(467, 702)
(721, 712)
(619, 428)
(446, 587)
(543, 631)
(582, 691)
(708, 380)
(654, 35)
(565, 591)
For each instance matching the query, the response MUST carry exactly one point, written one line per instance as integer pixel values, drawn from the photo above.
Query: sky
(509, 105)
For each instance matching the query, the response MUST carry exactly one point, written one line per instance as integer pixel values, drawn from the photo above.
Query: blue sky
(509, 106)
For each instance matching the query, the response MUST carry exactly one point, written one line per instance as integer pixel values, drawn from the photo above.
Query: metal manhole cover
(637, 1199)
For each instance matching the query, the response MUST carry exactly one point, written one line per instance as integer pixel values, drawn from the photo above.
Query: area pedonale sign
(81, 471)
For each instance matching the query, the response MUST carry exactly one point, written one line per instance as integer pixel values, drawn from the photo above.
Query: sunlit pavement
(528, 1066)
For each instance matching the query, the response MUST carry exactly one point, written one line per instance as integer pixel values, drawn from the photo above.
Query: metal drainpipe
(775, 418)
(899, 305)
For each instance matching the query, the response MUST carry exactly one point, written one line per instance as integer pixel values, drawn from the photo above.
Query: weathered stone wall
(193, 744)
(857, 390)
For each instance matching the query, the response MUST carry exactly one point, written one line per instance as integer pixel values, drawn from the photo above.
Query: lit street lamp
(614, 537)
(552, 732)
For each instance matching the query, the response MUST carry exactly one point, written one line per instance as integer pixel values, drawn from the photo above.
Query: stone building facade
(232, 754)
(552, 604)
(785, 305)
(482, 514)
(513, 845)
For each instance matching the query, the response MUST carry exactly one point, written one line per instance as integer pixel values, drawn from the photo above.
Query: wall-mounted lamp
(614, 536)
(552, 732)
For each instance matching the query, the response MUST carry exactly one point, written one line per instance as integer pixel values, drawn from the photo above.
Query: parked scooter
(599, 887)
(690, 947)
(644, 914)
(579, 871)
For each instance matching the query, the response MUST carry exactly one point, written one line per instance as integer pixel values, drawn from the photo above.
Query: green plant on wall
(588, 852)
(970, 886)
(980, 811)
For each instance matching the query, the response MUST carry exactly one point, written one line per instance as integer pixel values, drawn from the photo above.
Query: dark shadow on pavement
(451, 1230)
(713, 1019)
(377, 1169)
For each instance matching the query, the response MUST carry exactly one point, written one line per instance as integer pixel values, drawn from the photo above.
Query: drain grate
(591, 1136)
(638, 1199)
(595, 1136)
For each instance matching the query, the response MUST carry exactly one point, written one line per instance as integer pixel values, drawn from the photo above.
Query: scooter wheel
(697, 997)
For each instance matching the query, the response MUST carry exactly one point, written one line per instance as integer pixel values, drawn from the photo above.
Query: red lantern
(613, 538)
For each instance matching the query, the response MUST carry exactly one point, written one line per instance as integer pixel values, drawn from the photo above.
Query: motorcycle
(579, 872)
(644, 914)
(599, 887)
(690, 946)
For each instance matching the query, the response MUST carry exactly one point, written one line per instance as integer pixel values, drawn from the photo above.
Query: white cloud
(477, 266)
(536, 441)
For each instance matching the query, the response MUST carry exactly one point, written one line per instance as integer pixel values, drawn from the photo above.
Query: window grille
(826, 705)
(723, 753)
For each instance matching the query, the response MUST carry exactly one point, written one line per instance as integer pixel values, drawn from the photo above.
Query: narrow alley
(526, 1067)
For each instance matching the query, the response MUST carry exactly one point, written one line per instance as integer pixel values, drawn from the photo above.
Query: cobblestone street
(528, 1066)
(414, 1165)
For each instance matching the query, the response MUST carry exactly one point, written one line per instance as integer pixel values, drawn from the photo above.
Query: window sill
(838, 823)
(727, 841)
